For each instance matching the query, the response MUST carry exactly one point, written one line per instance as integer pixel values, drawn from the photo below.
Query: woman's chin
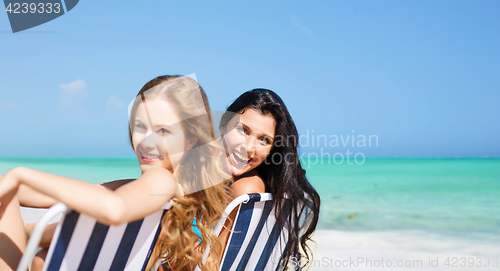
(145, 167)
(237, 171)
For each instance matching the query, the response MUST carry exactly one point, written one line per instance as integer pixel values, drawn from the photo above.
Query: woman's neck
(246, 174)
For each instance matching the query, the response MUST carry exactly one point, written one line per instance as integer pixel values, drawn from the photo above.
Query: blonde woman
(173, 139)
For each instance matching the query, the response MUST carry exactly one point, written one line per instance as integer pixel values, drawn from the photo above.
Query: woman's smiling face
(157, 135)
(248, 141)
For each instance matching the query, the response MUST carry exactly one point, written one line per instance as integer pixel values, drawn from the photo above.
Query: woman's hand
(9, 184)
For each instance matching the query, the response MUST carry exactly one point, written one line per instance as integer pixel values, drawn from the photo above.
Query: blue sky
(420, 75)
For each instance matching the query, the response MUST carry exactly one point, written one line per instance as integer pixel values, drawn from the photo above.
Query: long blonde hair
(201, 174)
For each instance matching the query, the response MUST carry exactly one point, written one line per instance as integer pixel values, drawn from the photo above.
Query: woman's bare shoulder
(154, 173)
(158, 174)
(247, 185)
(154, 178)
(157, 181)
(113, 185)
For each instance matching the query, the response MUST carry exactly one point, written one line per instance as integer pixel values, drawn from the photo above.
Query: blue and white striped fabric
(81, 243)
(256, 241)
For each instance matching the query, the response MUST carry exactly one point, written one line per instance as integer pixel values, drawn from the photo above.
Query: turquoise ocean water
(442, 195)
(445, 195)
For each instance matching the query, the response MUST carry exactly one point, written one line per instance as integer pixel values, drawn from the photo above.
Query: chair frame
(236, 203)
(36, 236)
(305, 220)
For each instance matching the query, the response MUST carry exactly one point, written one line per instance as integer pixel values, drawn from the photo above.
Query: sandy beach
(402, 250)
(382, 250)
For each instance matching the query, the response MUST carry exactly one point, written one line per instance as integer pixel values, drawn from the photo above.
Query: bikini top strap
(242, 176)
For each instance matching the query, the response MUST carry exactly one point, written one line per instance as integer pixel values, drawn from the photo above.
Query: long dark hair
(285, 178)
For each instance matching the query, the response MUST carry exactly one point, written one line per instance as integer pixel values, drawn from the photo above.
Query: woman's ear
(191, 141)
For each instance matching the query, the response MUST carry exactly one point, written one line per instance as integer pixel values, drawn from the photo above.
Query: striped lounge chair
(81, 243)
(256, 241)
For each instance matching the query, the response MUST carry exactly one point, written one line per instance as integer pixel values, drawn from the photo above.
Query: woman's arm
(129, 202)
(113, 185)
(29, 197)
(49, 230)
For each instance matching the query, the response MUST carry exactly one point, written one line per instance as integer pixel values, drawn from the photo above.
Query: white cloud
(302, 28)
(74, 88)
(73, 95)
